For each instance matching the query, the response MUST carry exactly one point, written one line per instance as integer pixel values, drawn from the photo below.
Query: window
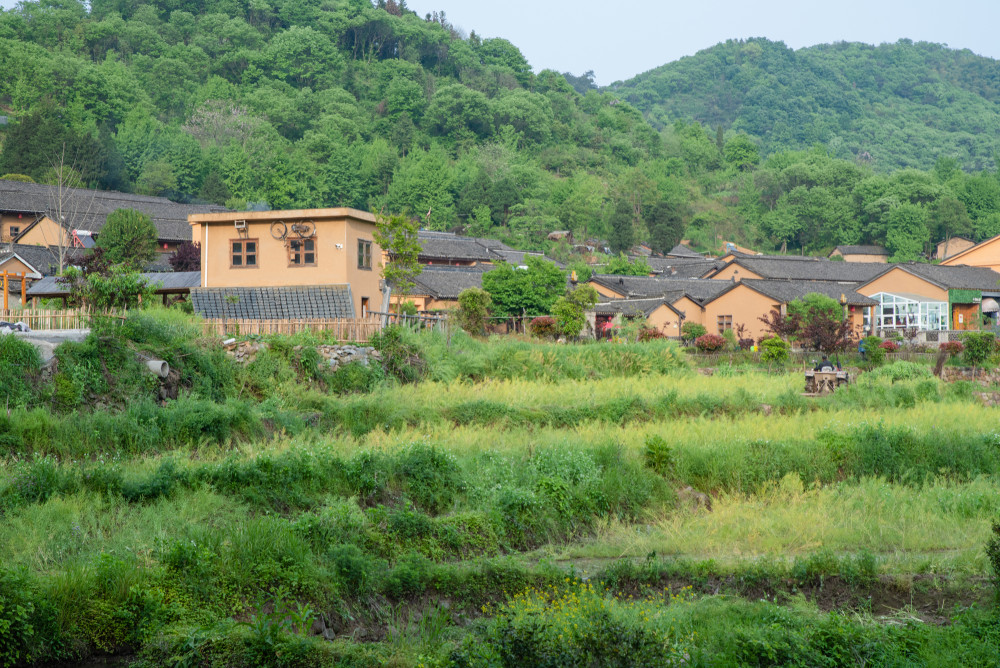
(725, 322)
(14, 231)
(364, 254)
(898, 312)
(244, 253)
(302, 253)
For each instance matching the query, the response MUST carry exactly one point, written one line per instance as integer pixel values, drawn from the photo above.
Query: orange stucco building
(303, 247)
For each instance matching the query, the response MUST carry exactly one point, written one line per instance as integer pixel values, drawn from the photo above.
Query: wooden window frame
(301, 253)
(13, 231)
(723, 320)
(243, 254)
(365, 254)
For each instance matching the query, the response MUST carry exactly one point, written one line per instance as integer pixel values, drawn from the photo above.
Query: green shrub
(774, 350)
(17, 612)
(431, 476)
(979, 347)
(20, 364)
(874, 352)
(658, 456)
(690, 331)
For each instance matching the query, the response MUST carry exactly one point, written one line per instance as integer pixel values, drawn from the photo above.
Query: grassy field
(501, 503)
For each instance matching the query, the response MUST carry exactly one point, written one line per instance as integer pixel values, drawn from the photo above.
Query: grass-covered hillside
(895, 105)
(460, 502)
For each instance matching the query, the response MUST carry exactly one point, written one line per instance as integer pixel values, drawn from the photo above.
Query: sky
(618, 40)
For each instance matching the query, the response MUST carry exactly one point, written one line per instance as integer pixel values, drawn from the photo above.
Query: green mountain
(310, 103)
(895, 105)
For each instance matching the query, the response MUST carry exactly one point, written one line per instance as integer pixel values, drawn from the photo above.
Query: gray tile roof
(89, 209)
(632, 306)
(42, 258)
(171, 281)
(862, 250)
(683, 267)
(680, 250)
(810, 269)
(960, 277)
(786, 291)
(516, 257)
(309, 302)
(447, 246)
(443, 282)
(637, 287)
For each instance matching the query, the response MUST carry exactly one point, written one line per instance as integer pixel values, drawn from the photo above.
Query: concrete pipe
(158, 367)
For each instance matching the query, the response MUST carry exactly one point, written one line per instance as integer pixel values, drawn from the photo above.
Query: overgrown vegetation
(421, 509)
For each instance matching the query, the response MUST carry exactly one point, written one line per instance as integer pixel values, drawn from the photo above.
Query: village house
(656, 312)
(932, 297)
(947, 248)
(437, 287)
(29, 213)
(860, 253)
(298, 264)
(984, 254)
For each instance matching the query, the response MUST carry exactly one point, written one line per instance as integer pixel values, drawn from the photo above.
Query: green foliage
(397, 236)
(979, 347)
(123, 288)
(473, 310)
(812, 305)
(530, 291)
(692, 330)
(569, 311)
(20, 364)
(128, 238)
(774, 350)
(621, 265)
(873, 350)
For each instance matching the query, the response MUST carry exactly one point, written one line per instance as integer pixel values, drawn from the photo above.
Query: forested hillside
(895, 105)
(303, 103)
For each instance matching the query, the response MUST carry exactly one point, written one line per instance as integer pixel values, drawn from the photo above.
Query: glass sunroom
(901, 311)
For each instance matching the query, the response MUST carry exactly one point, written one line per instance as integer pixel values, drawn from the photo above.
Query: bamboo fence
(55, 318)
(343, 329)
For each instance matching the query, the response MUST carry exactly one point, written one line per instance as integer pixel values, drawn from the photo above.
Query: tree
(779, 324)
(622, 234)
(128, 237)
(569, 311)
(532, 291)
(741, 152)
(473, 310)
(666, 226)
(621, 266)
(187, 257)
(397, 236)
(907, 235)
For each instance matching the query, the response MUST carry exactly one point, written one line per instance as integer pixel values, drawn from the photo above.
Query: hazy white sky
(620, 40)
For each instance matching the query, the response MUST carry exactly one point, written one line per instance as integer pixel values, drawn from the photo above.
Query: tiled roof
(960, 277)
(443, 282)
(811, 269)
(680, 250)
(446, 246)
(786, 291)
(637, 287)
(89, 209)
(42, 258)
(308, 302)
(862, 250)
(171, 281)
(516, 257)
(632, 306)
(683, 267)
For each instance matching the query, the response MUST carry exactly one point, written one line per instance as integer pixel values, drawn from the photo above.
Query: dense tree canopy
(354, 103)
